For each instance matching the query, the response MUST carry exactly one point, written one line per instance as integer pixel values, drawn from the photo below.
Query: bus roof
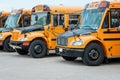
(22, 11)
(115, 4)
(112, 3)
(61, 8)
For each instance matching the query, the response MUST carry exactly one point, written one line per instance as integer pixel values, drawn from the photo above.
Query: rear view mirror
(71, 27)
(119, 28)
(17, 25)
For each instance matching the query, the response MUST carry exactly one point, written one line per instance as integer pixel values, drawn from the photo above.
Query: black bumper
(70, 52)
(19, 44)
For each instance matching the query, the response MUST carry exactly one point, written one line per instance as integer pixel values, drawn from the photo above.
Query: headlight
(16, 30)
(23, 39)
(77, 43)
(1, 36)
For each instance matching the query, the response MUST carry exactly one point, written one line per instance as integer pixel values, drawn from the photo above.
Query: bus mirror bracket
(118, 28)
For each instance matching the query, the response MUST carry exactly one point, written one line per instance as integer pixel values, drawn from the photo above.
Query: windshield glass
(11, 21)
(41, 18)
(91, 18)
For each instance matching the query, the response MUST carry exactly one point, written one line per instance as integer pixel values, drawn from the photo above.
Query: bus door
(24, 21)
(58, 25)
(111, 34)
(55, 29)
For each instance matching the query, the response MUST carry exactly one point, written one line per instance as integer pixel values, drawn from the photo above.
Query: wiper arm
(75, 34)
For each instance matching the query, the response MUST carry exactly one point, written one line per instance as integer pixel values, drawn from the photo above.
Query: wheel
(21, 52)
(93, 55)
(7, 47)
(38, 49)
(1, 48)
(69, 58)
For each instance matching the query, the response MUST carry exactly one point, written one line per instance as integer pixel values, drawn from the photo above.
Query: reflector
(33, 10)
(104, 4)
(44, 9)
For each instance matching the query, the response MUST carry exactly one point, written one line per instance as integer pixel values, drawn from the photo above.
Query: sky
(8, 5)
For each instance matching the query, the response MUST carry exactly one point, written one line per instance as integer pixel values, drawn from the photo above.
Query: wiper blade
(87, 27)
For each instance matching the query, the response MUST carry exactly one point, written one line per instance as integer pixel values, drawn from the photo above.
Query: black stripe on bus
(53, 39)
(112, 32)
(106, 39)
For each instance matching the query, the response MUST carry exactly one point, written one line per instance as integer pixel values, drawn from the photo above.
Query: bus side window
(58, 19)
(115, 18)
(106, 24)
(74, 19)
(26, 20)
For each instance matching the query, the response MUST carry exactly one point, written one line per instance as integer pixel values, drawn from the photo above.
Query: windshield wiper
(87, 27)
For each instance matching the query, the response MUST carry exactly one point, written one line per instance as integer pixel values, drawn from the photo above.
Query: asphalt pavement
(53, 67)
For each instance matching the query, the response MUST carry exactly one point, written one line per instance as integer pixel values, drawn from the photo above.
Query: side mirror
(63, 25)
(119, 28)
(18, 25)
(71, 27)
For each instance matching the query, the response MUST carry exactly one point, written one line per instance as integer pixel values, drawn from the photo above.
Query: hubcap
(37, 48)
(93, 54)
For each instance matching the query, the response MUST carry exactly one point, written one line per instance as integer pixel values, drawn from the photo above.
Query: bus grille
(62, 41)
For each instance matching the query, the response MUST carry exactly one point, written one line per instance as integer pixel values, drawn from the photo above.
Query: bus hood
(30, 29)
(78, 32)
(5, 29)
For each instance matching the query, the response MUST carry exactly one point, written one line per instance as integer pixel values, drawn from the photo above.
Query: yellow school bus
(17, 18)
(3, 17)
(98, 37)
(47, 22)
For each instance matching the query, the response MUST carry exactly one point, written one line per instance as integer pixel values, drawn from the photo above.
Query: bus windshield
(41, 18)
(11, 21)
(91, 18)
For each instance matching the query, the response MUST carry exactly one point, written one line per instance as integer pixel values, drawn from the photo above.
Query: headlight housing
(1, 36)
(23, 39)
(77, 43)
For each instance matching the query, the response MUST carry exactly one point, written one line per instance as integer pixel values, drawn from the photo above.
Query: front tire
(38, 49)
(1, 48)
(7, 47)
(69, 58)
(21, 52)
(93, 55)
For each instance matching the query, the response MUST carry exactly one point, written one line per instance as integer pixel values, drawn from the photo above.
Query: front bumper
(70, 52)
(18, 45)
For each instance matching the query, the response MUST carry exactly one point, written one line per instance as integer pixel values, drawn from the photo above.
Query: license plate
(60, 49)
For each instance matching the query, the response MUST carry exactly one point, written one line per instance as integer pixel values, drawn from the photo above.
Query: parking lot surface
(17, 67)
